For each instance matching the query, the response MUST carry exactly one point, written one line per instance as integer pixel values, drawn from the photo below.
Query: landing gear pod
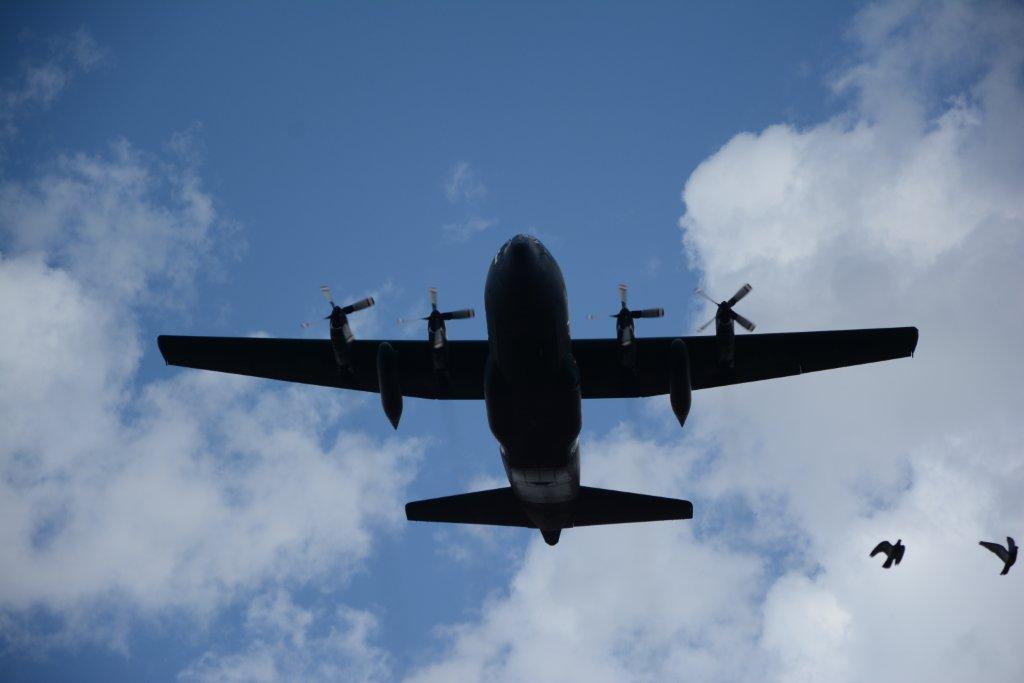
(388, 382)
(679, 380)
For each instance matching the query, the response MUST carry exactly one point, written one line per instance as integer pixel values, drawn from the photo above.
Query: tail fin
(594, 506)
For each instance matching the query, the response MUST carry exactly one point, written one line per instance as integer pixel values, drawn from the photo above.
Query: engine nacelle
(679, 391)
(340, 336)
(388, 382)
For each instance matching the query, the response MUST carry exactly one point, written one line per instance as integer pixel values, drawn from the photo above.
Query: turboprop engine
(341, 333)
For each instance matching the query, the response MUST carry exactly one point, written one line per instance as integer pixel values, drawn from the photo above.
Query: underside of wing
(883, 547)
(496, 506)
(999, 550)
(603, 374)
(312, 361)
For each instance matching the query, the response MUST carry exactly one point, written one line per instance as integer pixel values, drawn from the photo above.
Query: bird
(894, 553)
(1008, 554)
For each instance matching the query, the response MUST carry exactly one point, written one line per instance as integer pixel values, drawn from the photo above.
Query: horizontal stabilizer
(496, 506)
(594, 506)
(604, 506)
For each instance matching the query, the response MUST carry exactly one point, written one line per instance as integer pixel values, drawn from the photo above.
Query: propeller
(338, 314)
(351, 308)
(639, 313)
(727, 306)
(626, 316)
(436, 319)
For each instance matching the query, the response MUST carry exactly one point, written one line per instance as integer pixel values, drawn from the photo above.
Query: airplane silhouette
(533, 376)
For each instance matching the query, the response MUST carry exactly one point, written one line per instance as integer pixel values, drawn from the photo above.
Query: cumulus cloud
(124, 224)
(288, 642)
(904, 209)
(123, 499)
(639, 602)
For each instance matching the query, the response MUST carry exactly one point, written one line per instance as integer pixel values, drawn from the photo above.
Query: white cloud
(630, 602)
(462, 231)
(126, 226)
(463, 187)
(288, 642)
(122, 499)
(463, 184)
(905, 209)
(40, 83)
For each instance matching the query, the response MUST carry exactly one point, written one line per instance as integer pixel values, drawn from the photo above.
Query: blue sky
(202, 169)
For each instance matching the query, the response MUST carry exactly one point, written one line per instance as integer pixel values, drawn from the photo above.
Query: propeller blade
(648, 313)
(305, 326)
(358, 306)
(432, 291)
(326, 291)
(622, 294)
(347, 331)
(742, 321)
(742, 292)
(438, 338)
(591, 316)
(705, 325)
(702, 293)
(627, 337)
(407, 321)
(459, 315)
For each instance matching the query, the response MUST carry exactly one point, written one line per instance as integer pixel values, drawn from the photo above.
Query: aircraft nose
(522, 250)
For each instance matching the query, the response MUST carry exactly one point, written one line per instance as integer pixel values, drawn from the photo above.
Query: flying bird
(894, 553)
(1008, 554)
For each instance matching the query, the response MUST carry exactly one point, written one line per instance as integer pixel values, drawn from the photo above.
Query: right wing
(311, 361)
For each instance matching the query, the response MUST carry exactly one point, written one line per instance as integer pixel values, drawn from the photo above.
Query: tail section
(593, 506)
(604, 506)
(496, 506)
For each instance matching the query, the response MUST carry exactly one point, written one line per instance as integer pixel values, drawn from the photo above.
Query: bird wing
(999, 550)
(900, 549)
(883, 547)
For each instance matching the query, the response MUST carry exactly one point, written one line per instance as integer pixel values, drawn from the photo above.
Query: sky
(204, 168)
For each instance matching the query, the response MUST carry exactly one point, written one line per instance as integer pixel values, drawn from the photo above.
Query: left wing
(757, 357)
(311, 361)
(999, 550)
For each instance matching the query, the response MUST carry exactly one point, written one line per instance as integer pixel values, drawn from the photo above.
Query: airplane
(532, 376)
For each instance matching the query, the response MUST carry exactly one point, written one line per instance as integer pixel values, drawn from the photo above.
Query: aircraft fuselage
(531, 385)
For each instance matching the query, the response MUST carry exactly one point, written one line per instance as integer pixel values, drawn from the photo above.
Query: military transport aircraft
(532, 376)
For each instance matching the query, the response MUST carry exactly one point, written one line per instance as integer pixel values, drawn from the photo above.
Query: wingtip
(161, 343)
